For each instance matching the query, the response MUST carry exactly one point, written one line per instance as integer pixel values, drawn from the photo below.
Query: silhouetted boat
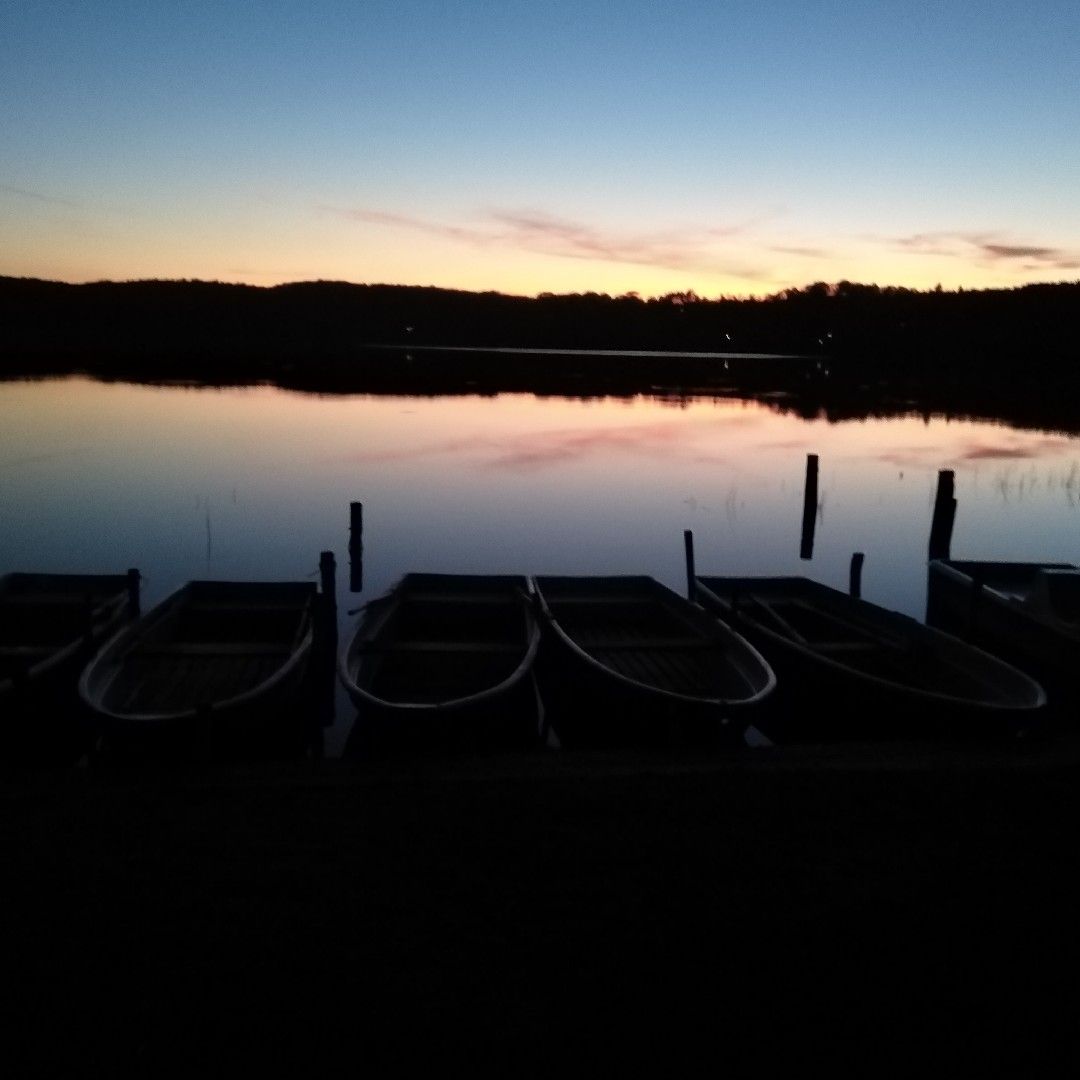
(851, 668)
(627, 660)
(446, 659)
(1028, 613)
(227, 653)
(49, 625)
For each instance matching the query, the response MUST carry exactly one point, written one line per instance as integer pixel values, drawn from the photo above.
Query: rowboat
(627, 661)
(1028, 613)
(227, 654)
(49, 625)
(445, 660)
(48, 620)
(853, 669)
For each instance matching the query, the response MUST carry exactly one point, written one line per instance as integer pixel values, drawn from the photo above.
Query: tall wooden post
(691, 576)
(356, 547)
(325, 659)
(810, 504)
(941, 527)
(855, 575)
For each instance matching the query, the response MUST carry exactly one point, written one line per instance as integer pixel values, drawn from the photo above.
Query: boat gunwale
(349, 659)
(661, 592)
(957, 572)
(117, 648)
(714, 601)
(111, 611)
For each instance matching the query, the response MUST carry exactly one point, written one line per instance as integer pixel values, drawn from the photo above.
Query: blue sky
(730, 148)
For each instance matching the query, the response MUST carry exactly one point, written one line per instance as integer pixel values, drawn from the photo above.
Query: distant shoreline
(834, 351)
(817, 394)
(652, 354)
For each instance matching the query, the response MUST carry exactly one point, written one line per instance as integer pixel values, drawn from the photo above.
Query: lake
(253, 483)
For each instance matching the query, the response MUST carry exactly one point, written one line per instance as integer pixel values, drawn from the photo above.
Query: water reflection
(676, 440)
(253, 483)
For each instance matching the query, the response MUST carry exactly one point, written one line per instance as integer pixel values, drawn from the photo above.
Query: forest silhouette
(860, 349)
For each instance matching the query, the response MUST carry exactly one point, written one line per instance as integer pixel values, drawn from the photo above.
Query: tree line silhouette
(968, 351)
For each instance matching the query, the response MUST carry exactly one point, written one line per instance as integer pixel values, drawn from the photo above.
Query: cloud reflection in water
(542, 449)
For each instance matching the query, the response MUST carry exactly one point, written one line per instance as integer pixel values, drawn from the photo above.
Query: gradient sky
(726, 147)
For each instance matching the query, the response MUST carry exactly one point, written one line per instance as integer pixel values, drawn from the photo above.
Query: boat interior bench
(814, 623)
(678, 644)
(444, 647)
(16, 651)
(461, 598)
(227, 607)
(17, 660)
(212, 648)
(846, 646)
(54, 600)
(556, 599)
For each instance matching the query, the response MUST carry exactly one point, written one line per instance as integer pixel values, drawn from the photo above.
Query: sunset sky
(729, 147)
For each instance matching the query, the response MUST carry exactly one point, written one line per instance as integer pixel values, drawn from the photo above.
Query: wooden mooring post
(810, 505)
(855, 575)
(691, 576)
(326, 646)
(941, 527)
(356, 547)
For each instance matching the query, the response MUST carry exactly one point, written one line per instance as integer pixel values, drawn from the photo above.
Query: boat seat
(212, 648)
(845, 646)
(779, 623)
(18, 651)
(51, 599)
(559, 601)
(243, 608)
(677, 644)
(461, 598)
(446, 647)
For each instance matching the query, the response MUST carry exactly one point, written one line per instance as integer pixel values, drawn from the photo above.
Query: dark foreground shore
(855, 906)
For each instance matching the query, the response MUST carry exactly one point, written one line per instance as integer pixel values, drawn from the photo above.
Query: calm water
(253, 483)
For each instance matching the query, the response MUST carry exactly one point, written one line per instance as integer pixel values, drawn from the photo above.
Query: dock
(546, 912)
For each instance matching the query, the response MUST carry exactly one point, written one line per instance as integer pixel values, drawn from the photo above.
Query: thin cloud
(682, 249)
(542, 233)
(273, 275)
(1018, 251)
(803, 252)
(403, 221)
(38, 196)
(37, 459)
(988, 248)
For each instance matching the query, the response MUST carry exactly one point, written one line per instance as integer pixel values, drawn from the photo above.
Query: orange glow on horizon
(324, 250)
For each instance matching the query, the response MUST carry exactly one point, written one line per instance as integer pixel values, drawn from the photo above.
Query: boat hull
(444, 662)
(849, 669)
(215, 668)
(50, 624)
(625, 661)
(996, 606)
